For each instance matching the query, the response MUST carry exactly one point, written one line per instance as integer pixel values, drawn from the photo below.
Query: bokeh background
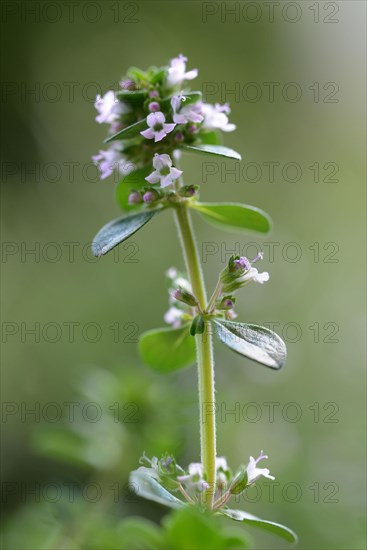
(88, 314)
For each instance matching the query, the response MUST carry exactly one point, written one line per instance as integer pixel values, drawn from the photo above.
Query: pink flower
(110, 160)
(158, 129)
(109, 108)
(253, 472)
(177, 71)
(215, 116)
(164, 173)
(188, 113)
(173, 317)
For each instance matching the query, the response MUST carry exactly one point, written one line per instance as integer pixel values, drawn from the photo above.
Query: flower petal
(166, 181)
(169, 127)
(175, 173)
(154, 177)
(159, 117)
(158, 136)
(148, 133)
(191, 74)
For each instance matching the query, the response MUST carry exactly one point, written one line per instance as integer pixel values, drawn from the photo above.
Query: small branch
(222, 500)
(216, 293)
(185, 495)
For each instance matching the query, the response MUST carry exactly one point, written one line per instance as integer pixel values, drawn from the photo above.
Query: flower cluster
(151, 117)
(184, 306)
(192, 483)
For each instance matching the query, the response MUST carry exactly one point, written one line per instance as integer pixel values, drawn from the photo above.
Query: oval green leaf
(271, 526)
(117, 231)
(134, 180)
(167, 350)
(129, 132)
(135, 97)
(217, 150)
(257, 343)
(159, 75)
(146, 486)
(233, 216)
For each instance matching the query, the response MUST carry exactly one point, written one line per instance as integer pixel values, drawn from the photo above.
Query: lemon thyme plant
(153, 118)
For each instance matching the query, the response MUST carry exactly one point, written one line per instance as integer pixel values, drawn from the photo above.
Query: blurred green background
(316, 438)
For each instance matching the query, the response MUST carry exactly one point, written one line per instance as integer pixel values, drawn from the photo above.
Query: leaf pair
(146, 486)
(228, 215)
(167, 350)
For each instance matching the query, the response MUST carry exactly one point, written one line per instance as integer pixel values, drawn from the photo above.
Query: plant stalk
(204, 350)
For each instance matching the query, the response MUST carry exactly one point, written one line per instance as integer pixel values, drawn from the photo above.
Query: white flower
(112, 159)
(164, 172)
(221, 468)
(215, 116)
(250, 273)
(253, 473)
(254, 276)
(171, 273)
(221, 462)
(173, 317)
(158, 128)
(196, 469)
(183, 283)
(194, 479)
(177, 71)
(109, 108)
(188, 113)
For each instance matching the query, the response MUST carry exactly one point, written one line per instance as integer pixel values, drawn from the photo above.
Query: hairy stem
(204, 351)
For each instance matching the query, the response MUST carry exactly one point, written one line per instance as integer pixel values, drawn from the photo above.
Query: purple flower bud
(188, 191)
(127, 85)
(179, 137)
(185, 297)
(135, 198)
(192, 129)
(150, 196)
(154, 106)
(226, 303)
(177, 294)
(153, 93)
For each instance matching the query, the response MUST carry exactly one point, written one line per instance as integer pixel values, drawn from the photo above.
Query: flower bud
(154, 106)
(150, 196)
(153, 93)
(188, 190)
(192, 129)
(128, 85)
(179, 137)
(182, 295)
(227, 302)
(239, 482)
(135, 198)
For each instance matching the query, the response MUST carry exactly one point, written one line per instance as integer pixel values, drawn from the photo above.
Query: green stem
(216, 293)
(204, 351)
